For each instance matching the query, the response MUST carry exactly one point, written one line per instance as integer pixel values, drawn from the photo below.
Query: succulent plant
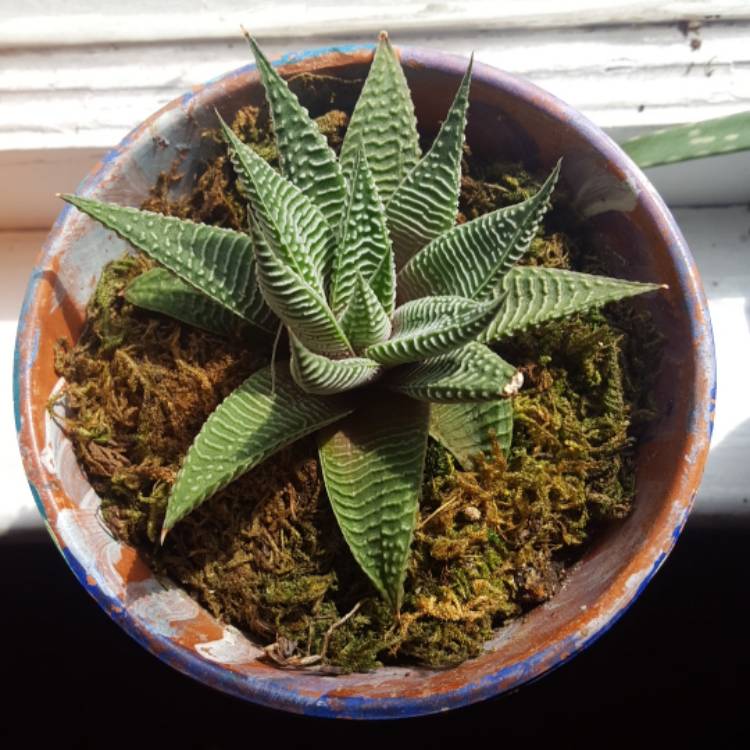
(389, 306)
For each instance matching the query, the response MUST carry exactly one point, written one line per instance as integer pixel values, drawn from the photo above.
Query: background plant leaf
(316, 373)
(306, 158)
(426, 202)
(536, 295)
(218, 262)
(159, 290)
(372, 465)
(722, 135)
(261, 416)
(472, 373)
(470, 259)
(467, 430)
(383, 122)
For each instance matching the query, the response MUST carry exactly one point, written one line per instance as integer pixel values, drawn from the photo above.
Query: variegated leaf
(159, 290)
(316, 373)
(288, 220)
(306, 158)
(536, 295)
(467, 430)
(372, 465)
(421, 329)
(261, 416)
(364, 321)
(301, 307)
(472, 373)
(383, 123)
(425, 204)
(365, 246)
(470, 259)
(219, 262)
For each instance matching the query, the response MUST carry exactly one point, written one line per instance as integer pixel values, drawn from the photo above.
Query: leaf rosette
(389, 307)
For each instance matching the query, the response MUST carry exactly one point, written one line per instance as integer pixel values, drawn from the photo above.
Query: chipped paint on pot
(511, 119)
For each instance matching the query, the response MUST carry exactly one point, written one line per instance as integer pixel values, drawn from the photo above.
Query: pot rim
(283, 695)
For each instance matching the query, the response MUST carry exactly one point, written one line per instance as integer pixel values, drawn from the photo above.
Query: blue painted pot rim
(283, 695)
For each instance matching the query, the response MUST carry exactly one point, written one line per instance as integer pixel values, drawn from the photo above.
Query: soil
(265, 554)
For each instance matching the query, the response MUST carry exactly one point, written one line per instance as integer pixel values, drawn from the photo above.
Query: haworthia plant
(390, 308)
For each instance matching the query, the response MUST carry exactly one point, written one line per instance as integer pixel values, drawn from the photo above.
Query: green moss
(265, 553)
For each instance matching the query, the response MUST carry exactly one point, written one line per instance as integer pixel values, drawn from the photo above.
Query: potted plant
(321, 245)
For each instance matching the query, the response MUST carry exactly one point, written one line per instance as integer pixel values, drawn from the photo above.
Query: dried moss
(265, 553)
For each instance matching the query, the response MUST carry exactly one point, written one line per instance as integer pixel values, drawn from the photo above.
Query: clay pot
(511, 119)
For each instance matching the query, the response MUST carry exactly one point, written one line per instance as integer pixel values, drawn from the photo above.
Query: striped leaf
(472, 373)
(536, 295)
(306, 159)
(469, 260)
(364, 320)
(315, 373)
(421, 329)
(159, 290)
(257, 419)
(722, 135)
(467, 430)
(383, 123)
(302, 307)
(365, 246)
(372, 465)
(289, 222)
(425, 204)
(219, 262)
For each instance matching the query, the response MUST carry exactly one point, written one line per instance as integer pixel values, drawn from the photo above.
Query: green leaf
(372, 465)
(315, 373)
(301, 307)
(425, 204)
(467, 430)
(365, 246)
(536, 295)
(364, 320)
(290, 223)
(723, 135)
(306, 159)
(470, 259)
(218, 262)
(472, 373)
(257, 419)
(159, 290)
(383, 123)
(423, 328)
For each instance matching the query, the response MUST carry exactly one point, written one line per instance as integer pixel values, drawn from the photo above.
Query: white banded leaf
(383, 122)
(470, 259)
(302, 307)
(219, 262)
(416, 335)
(467, 430)
(472, 373)
(306, 158)
(372, 464)
(289, 221)
(364, 321)
(425, 204)
(536, 295)
(316, 373)
(258, 418)
(365, 246)
(159, 290)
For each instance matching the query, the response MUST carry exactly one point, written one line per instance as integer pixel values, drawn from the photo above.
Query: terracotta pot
(511, 119)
